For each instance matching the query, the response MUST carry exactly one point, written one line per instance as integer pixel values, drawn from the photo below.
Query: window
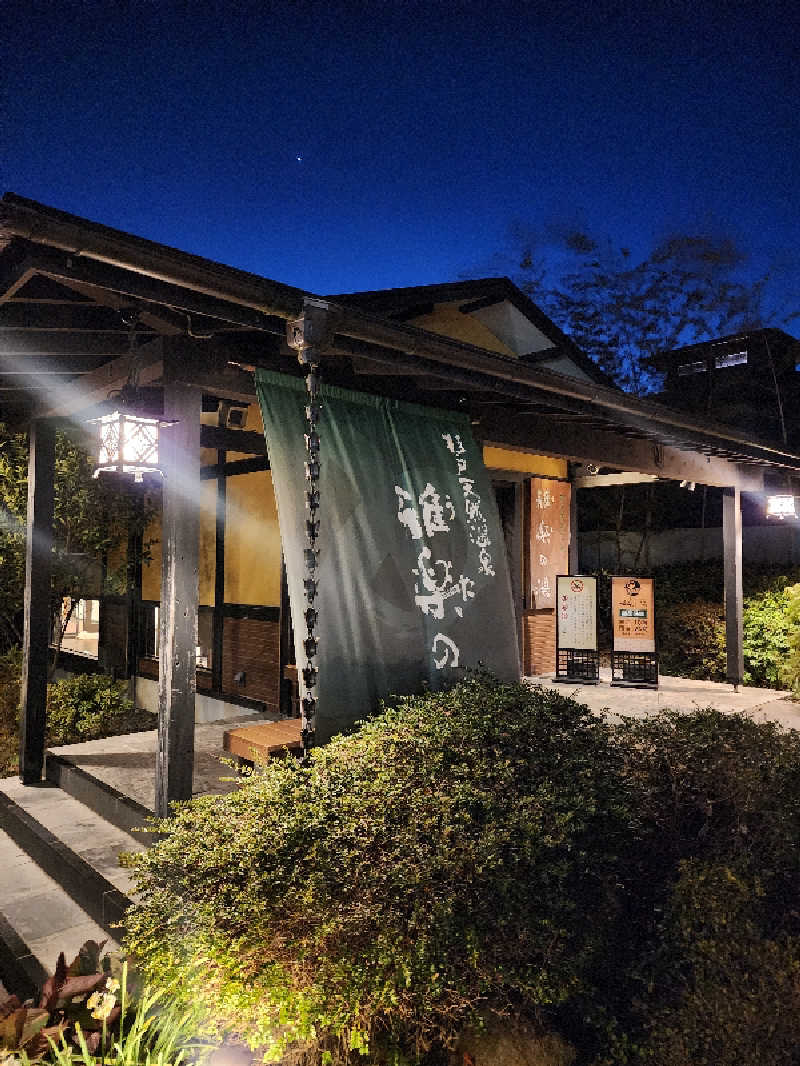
(730, 359)
(692, 368)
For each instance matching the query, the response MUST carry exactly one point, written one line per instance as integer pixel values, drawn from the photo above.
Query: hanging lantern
(781, 506)
(128, 444)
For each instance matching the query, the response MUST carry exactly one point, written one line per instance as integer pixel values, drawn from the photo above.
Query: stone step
(72, 844)
(99, 796)
(38, 919)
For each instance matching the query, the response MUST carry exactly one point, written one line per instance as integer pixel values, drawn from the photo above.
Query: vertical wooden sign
(549, 547)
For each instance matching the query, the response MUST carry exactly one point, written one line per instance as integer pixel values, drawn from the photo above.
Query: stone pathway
(680, 693)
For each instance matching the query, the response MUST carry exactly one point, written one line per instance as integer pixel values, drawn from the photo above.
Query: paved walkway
(128, 763)
(680, 693)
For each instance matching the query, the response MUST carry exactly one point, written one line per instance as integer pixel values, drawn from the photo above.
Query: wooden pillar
(37, 620)
(218, 630)
(179, 450)
(574, 559)
(732, 554)
(134, 596)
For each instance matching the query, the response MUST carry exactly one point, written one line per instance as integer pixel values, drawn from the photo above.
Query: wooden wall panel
(252, 646)
(539, 642)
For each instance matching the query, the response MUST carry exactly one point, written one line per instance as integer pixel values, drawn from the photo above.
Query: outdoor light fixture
(128, 437)
(781, 506)
(128, 443)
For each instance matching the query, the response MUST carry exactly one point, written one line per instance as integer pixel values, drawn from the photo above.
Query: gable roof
(418, 301)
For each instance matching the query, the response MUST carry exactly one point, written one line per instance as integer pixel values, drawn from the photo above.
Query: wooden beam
(64, 267)
(12, 278)
(244, 441)
(732, 560)
(223, 469)
(468, 367)
(94, 388)
(36, 624)
(82, 239)
(35, 344)
(546, 435)
(74, 318)
(180, 458)
(603, 481)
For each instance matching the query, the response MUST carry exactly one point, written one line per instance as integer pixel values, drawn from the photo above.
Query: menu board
(632, 614)
(549, 538)
(577, 612)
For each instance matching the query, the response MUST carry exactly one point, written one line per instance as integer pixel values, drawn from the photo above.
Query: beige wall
(523, 462)
(252, 541)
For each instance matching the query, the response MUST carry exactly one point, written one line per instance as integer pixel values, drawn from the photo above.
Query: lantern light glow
(128, 444)
(781, 506)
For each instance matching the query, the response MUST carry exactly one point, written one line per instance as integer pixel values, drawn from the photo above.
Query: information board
(632, 614)
(577, 612)
(549, 538)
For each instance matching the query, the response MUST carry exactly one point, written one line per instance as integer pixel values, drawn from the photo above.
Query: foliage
(84, 707)
(441, 860)
(622, 310)
(691, 623)
(28, 1030)
(790, 670)
(735, 983)
(495, 851)
(691, 640)
(91, 515)
(709, 948)
(87, 1015)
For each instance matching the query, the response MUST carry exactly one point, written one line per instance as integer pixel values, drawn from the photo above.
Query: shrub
(734, 987)
(790, 668)
(440, 861)
(84, 707)
(709, 948)
(691, 640)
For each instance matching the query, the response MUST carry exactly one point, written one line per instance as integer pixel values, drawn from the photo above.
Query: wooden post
(574, 555)
(218, 631)
(732, 552)
(37, 620)
(179, 449)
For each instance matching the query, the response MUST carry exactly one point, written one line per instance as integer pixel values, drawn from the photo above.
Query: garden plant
(493, 853)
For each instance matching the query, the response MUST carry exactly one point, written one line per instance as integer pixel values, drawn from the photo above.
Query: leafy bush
(441, 860)
(790, 668)
(495, 849)
(708, 955)
(734, 983)
(691, 640)
(84, 707)
(691, 624)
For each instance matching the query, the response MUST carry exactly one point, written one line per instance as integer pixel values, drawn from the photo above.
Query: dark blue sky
(423, 130)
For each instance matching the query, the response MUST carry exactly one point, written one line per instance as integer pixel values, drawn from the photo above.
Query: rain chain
(311, 553)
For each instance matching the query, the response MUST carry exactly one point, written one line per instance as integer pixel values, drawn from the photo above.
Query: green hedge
(494, 848)
(441, 860)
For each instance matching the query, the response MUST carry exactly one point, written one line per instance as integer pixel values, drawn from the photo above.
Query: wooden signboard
(632, 614)
(549, 538)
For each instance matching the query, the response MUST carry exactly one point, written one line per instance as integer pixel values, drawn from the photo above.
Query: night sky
(352, 146)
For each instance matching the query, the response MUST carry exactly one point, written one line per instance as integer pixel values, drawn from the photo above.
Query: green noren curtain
(413, 577)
